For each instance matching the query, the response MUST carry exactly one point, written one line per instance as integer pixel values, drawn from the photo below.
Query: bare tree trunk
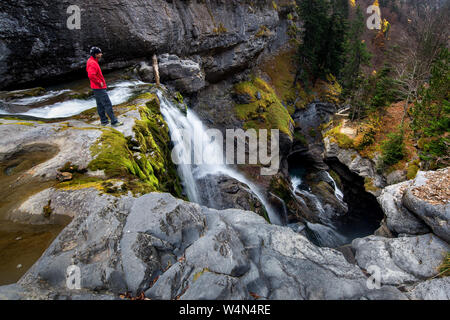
(405, 109)
(156, 70)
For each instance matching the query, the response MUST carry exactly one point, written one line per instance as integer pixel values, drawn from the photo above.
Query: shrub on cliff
(393, 149)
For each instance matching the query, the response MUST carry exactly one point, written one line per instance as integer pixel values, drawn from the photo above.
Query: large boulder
(398, 218)
(429, 198)
(402, 260)
(186, 75)
(434, 289)
(224, 192)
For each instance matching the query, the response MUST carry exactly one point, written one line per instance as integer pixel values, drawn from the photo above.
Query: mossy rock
(343, 141)
(369, 185)
(265, 113)
(412, 171)
(148, 170)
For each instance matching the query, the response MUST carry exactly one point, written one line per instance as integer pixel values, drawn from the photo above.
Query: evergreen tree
(431, 114)
(314, 15)
(357, 54)
(324, 30)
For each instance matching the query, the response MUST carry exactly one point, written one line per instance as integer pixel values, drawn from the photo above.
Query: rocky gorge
(113, 203)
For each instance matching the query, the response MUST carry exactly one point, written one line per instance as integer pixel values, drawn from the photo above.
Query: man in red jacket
(98, 85)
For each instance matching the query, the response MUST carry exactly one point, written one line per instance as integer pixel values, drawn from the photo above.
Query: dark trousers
(104, 106)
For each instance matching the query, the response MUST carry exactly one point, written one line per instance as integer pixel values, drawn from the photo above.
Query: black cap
(95, 50)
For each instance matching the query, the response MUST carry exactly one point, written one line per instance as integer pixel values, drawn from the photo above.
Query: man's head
(96, 52)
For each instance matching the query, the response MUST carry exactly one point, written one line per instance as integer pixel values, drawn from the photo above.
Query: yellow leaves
(128, 296)
(333, 90)
(386, 25)
(254, 295)
(353, 3)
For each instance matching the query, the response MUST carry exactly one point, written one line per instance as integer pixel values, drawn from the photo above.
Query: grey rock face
(361, 166)
(185, 75)
(396, 176)
(306, 121)
(429, 198)
(224, 192)
(224, 33)
(401, 260)
(398, 218)
(171, 249)
(435, 289)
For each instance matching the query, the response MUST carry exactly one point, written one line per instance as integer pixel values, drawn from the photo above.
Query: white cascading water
(337, 192)
(201, 144)
(120, 92)
(325, 235)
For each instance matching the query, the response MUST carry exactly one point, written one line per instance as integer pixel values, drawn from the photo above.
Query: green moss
(263, 31)
(412, 171)
(444, 268)
(142, 165)
(220, 29)
(312, 132)
(281, 69)
(344, 141)
(153, 136)
(81, 182)
(369, 185)
(265, 113)
(47, 210)
(282, 189)
(29, 124)
(274, 5)
(299, 137)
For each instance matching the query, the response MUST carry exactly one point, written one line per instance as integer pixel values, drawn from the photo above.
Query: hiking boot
(117, 124)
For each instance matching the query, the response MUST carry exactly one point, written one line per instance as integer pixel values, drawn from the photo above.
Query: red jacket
(95, 74)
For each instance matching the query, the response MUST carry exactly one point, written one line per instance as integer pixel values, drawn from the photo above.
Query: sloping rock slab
(403, 260)
(171, 249)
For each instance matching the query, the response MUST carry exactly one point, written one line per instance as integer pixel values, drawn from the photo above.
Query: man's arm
(93, 76)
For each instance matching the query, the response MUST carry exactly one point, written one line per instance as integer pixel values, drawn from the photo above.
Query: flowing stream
(42, 106)
(325, 234)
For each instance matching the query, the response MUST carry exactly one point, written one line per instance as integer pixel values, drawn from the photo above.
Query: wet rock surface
(223, 192)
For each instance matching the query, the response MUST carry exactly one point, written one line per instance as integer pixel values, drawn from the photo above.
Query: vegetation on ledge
(264, 110)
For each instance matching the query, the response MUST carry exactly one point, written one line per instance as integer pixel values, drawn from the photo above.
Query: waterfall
(337, 192)
(324, 234)
(190, 169)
